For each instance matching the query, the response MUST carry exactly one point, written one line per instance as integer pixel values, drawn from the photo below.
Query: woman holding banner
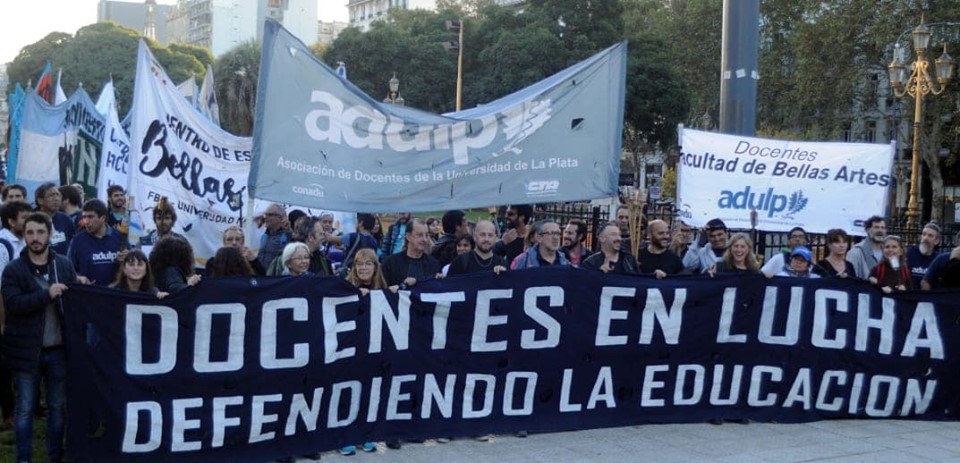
(296, 259)
(172, 262)
(739, 257)
(893, 271)
(365, 273)
(135, 274)
(835, 264)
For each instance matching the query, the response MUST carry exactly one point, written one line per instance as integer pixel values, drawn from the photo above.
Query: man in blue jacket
(93, 252)
(33, 338)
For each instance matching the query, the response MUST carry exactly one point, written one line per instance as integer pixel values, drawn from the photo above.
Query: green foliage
(236, 74)
(95, 54)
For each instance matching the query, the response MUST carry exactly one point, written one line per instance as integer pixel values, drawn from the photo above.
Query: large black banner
(256, 368)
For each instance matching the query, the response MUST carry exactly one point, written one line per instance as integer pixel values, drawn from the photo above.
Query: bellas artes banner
(814, 185)
(253, 369)
(320, 142)
(177, 153)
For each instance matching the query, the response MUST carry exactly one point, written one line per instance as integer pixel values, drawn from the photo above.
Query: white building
(221, 25)
(329, 30)
(134, 14)
(297, 16)
(362, 13)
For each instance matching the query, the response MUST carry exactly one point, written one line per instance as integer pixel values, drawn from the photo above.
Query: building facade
(329, 30)
(221, 25)
(135, 16)
(363, 13)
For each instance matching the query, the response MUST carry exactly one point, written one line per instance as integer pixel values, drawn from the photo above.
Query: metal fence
(766, 244)
(594, 216)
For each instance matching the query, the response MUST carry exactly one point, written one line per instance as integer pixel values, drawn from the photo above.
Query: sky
(25, 22)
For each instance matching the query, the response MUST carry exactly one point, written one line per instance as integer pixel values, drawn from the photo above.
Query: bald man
(656, 258)
(482, 258)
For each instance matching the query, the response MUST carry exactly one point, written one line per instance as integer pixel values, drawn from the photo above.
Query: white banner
(114, 156)
(814, 185)
(178, 153)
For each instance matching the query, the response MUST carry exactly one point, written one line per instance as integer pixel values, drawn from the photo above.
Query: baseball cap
(802, 251)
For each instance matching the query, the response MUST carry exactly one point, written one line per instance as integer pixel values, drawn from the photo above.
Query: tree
(95, 54)
(691, 31)
(236, 74)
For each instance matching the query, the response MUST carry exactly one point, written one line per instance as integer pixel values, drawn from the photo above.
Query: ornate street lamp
(393, 97)
(918, 85)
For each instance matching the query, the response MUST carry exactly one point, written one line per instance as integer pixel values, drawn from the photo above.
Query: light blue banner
(59, 143)
(320, 142)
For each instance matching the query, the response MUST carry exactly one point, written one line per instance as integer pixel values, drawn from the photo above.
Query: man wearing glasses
(798, 237)
(48, 200)
(545, 252)
(275, 234)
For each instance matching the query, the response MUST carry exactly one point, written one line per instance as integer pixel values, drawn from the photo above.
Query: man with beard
(921, 256)
(656, 258)
(611, 258)
(574, 235)
(546, 252)
(164, 217)
(511, 243)
(393, 240)
(48, 200)
(414, 264)
(705, 258)
(117, 201)
(944, 271)
(865, 255)
(94, 250)
(482, 258)
(33, 338)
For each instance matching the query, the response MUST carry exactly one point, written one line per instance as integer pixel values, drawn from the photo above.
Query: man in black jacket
(611, 257)
(33, 338)
(414, 264)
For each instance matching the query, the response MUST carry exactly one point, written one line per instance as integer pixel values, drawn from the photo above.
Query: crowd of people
(64, 239)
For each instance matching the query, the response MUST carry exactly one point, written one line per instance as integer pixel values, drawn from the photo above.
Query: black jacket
(25, 302)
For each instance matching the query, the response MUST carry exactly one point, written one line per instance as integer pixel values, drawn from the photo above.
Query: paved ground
(841, 441)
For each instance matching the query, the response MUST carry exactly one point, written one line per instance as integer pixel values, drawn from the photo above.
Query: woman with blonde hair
(739, 257)
(365, 273)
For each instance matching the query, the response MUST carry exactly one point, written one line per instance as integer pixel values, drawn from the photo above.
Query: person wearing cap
(797, 237)
(701, 260)
(801, 261)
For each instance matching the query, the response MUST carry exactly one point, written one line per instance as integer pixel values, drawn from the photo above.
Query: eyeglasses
(300, 258)
(554, 234)
(797, 237)
(52, 195)
(271, 214)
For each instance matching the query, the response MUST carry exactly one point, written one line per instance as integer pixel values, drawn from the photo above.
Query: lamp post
(918, 85)
(393, 97)
(457, 26)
